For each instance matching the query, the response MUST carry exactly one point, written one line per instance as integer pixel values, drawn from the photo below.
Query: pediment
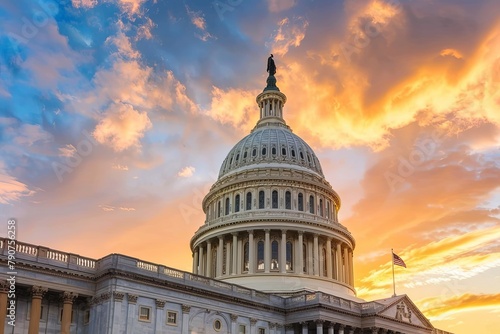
(401, 308)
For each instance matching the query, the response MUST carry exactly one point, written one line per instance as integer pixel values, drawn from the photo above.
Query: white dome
(271, 143)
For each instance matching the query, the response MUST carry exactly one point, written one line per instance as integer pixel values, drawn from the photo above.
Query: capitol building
(270, 258)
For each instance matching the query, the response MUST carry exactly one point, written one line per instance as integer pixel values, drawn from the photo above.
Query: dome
(271, 144)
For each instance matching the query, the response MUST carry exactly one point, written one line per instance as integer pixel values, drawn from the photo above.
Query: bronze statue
(271, 67)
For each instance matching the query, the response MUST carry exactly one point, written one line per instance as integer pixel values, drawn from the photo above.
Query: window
(261, 199)
(275, 199)
(273, 151)
(245, 256)
(324, 262)
(288, 200)
(219, 210)
(254, 152)
(304, 257)
(245, 155)
(262, 330)
(227, 206)
(301, 155)
(237, 157)
(237, 203)
(289, 255)
(217, 325)
(293, 153)
(86, 317)
(301, 202)
(43, 312)
(249, 201)
(311, 204)
(309, 158)
(172, 318)
(321, 207)
(144, 313)
(264, 151)
(260, 255)
(274, 255)
(243, 329)
(283, 151)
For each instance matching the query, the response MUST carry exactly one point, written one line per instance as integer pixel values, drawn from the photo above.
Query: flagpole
(393, 280)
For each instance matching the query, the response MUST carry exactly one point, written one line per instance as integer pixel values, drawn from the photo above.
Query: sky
(115, 116)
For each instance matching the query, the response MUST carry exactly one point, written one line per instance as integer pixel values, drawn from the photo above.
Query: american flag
(398, 261)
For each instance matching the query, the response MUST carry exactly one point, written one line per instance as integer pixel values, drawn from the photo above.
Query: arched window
(288, 200)
(254, 152)
(324, 261)
(328, 209)
(293, 153)
(237, 203)
(274, 255)
(289, 255)
(301, 202)
(275, 199)
(311, 204)
(219, 210)
(249, 201)
(260, 255)
(321, 207)
(227, 206)
(264, 151)
(273, 150)
(245, 257)
(261, 199)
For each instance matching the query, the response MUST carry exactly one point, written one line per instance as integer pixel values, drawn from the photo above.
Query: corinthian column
(68, 298)
(37, 293)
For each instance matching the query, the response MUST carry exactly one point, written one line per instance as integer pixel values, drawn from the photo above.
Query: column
(4, 289)
(352, 330)
(341, 329)
(339, 263)
(159, 319)
(289, 329)
(305, 329)
(195, 261)
(37, 293)
(283, 252)
(208, 270)
(251, 253)
(351, 269)
(300, 253)
(228, 257)
(374, 330)
(346, 265)
(319, 326)
(272, 328)
(68, 298)
(234, 317)
(131, 313)
(239, 264)
(331, 329)
(201, 266)
(235, 253)
(185, 319)
(267, 252)
(329, 258)
(309, 258)
(220, 256)
(117, 322)
(316, 256)
(335, 263)
(253, 322)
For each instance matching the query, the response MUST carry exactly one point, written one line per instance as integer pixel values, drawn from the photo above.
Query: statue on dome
(271, 67)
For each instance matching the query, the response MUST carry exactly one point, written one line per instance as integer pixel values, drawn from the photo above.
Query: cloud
(144, 30)
(186, 171)
(119, 167)
(199, 22)
(276, 6)
(122, 127)
(437, 308)
(290, 33)
(12, 190)
(67, 151)
(224, 104)
(84, 3)
(132, 7)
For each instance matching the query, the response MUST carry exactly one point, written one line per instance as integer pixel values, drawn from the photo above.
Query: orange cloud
(11, 189)
(276, 6)
(289, 33)
(437, 309)
(122, 127)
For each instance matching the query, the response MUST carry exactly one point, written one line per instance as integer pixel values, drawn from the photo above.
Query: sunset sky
(115, 116)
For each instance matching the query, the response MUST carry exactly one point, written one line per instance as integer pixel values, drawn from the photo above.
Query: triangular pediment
(401, 308)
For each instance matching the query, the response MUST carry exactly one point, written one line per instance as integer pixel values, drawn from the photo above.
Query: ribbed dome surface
(271, 144)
